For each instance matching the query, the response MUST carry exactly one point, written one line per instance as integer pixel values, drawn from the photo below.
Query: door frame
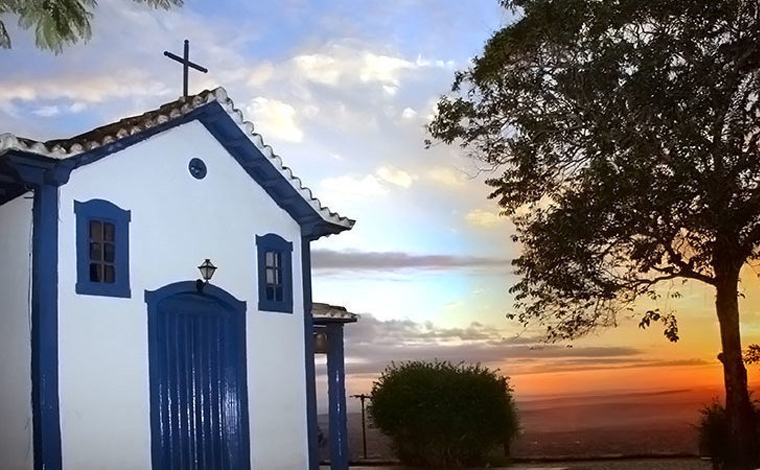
(153, 299)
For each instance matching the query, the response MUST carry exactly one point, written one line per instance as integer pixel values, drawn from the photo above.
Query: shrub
(714, 435)
(443, 415)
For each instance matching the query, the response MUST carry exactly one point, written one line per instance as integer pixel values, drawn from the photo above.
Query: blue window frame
(102, 249)
(275, 273)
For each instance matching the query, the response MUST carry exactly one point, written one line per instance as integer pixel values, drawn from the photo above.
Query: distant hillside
(654, 423)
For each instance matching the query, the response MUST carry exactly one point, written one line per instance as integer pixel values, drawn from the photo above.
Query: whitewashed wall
(177, 222)
(15, 335)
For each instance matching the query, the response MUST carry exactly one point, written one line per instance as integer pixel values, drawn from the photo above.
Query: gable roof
(216, 111)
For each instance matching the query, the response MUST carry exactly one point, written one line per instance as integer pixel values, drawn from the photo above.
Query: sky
(342, 90)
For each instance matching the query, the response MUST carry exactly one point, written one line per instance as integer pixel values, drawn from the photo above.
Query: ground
(632, 464)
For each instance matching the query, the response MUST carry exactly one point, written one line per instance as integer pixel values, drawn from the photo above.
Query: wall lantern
(320, 341)
(207, 270)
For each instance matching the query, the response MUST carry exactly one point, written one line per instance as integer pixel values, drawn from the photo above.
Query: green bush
(443, 415)
(714, 434)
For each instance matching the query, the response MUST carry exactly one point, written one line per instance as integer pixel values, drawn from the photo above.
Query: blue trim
(109, 212)
(275, 243)
(188, 295)
(44, 175)
(45, 405)
(311, 381)
(197, 168)
(336, 394)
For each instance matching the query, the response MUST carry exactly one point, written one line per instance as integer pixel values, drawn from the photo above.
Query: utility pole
(363, 397)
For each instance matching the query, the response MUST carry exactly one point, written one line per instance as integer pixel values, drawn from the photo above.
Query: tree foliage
(629, 131)
(626, 137)
(715, 436)
(443, 415)
(57, 23)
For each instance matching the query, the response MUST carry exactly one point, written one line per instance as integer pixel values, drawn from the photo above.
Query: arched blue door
(198, 388)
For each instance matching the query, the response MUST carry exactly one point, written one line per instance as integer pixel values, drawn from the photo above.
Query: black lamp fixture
(207, 270)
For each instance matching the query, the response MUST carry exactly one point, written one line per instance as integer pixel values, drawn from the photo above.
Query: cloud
(483, 218)
(373, 185)
(372, 344)
(47, 111)
(275, 118)
(383, 69)
(86, 89)
(345, 64)
(408, 114)
(261, 74)
(343, 185)
(318, 68)
(447, 176)
(395, 176)
(55, 110)
(385, 261)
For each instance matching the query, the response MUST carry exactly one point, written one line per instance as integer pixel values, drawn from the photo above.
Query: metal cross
(185, 61)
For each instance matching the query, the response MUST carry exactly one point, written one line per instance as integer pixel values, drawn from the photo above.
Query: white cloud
(83, 89)
(408, 113)
(422, 62)
(395, 176)
(342, 65)
(390, 90)
(47, 111)
(483, 218)
(382, 69)
(261, 74)
(319, 68)
(367, 186)
(447, 176)
(275, 118)
(55, 110)
(77, 107)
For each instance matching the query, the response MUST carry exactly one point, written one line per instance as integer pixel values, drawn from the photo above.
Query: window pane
(278, 294)
(96, 272)
(109, 252)
(270, 258)
(109, 232)
(270, 293)
(96, 230)
(110, 274)
(277, 276)
(95, 252)
(270, 276)
(277, 259)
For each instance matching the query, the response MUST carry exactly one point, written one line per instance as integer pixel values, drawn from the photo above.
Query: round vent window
(197, 168)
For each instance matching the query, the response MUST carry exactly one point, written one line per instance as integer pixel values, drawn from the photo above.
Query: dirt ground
(632, 464)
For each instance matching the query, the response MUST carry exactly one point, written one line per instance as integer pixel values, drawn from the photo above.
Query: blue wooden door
(199, 412)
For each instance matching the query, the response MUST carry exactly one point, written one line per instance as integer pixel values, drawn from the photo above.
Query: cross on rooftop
(185, 61)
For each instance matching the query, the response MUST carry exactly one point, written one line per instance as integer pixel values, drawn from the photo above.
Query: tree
(438, 414)
(714, 436)
(57, 22)
(626, 132)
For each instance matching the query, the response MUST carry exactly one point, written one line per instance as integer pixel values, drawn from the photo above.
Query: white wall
(15, 335)
(177, 222)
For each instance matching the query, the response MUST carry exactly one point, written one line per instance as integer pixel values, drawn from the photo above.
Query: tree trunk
(738, 406)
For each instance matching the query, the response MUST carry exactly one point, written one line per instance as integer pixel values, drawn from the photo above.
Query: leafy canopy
(627, 136)
(443, 415)
(57, 23)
